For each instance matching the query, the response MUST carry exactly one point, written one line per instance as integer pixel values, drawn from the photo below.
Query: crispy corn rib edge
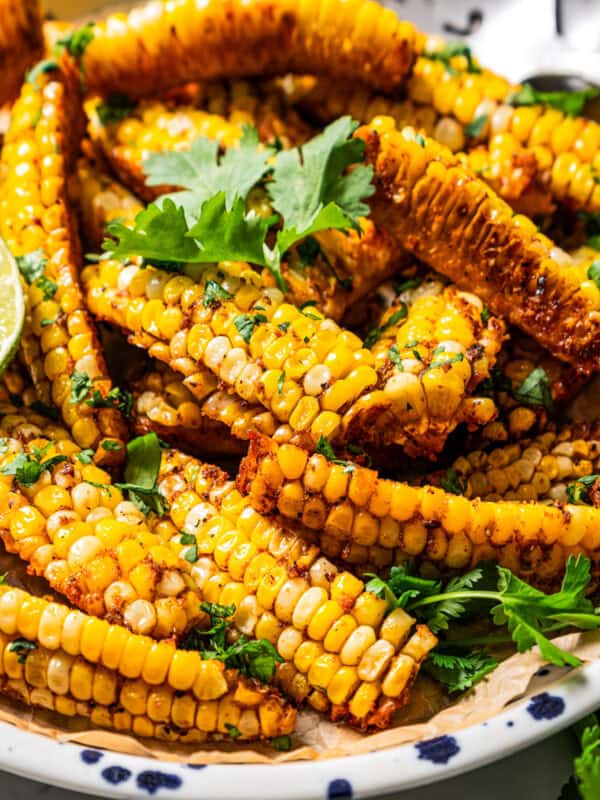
(368, 520)
(438, 210)
(316, 378)
(160, 46)
(21, 43)
(64, 660)
(343, 654)
(37, 217)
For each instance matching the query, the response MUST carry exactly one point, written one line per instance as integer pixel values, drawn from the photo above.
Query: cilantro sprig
(450, 51)
(254, 657)
(587, 764)
(319, 186)
(529, 615)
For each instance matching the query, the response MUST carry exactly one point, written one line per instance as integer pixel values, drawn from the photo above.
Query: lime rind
(12, 306)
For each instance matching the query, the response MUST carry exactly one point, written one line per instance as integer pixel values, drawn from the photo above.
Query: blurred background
(520, 38)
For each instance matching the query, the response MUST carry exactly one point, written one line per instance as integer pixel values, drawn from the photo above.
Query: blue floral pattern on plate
(546, 706)
(438, 750)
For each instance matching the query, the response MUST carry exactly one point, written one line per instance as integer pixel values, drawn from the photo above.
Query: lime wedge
(12, 306)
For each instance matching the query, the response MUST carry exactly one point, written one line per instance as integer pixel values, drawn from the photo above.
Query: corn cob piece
(163, 404)
(21, 43)
(89, 543)
(156, 125)
(158, 47)
(362, 517)
(433, 349)
(343, 655)
(538, 469)
(102, 200)
(65, 661)
(314, 377)
(444, 215)
(37, 221)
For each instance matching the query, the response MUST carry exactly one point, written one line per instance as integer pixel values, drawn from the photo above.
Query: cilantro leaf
(200, 171)
(579, 491)
(47, 287)
(32, 265)
(311, 190)
(587, 765)
(374, 335)
(246, 323)
(77, 42)
(214, 293)
(452, 483)
(535, 390)
(406, 285)
(324, 448)
(593, 273)
(22, 647)
(115, 108)
(141, 473)
(459, 671)
(570, 103)
(476, 127)
(27, 468)
(117, 398)
(51, 412)
(450, 51)
(85, 456)
(282, 743)
(395, 358)
(81, 386)
(159, 233)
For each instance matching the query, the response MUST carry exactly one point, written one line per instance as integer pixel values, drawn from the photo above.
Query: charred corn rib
(432, 348)
(155, 126)
(63, 660)
(91, 544)
(21, 43)
(361, 516)
(316, 378)
(539, 469)
(163, 404)
(37, 222)
(343, 655)
(157, 47)
(443, 214)
(102, 200)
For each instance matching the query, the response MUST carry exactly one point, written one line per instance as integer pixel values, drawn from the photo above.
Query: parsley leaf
(32, 265)
(570, 103)
(246, 323)
(459, 671)
(476, 127)
(593, 273)
(311, 190)
(115, 108)
(141, 473)
(535, 390)
(452, 483)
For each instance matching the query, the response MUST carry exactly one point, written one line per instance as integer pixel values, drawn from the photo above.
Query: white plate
(114, 775)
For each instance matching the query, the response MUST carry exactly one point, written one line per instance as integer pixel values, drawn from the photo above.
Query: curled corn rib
(37, 221)
(74, 527)
(161, 46)
(442, 213)
(21, 43)
(314, 377)
(63, 660)
(537, 469)
(366, 519)
(159, 125)
(342, 653)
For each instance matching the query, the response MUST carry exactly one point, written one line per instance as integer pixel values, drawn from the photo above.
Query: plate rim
(79, 768)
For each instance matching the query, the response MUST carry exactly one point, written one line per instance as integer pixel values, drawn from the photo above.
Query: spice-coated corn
(21, 43)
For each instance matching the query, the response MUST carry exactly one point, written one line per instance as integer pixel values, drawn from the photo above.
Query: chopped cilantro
(81, 386)
(476, 127)
(246, 323)
(397, 316)
(110, 445)
(47, 287)
(214, 293)
(450, 51)
(283, 326)
(395, 358)
(570, 103)
(32, 265)
(141, 473)
(22, 647)
(191, 554)
(324, 448)
(77, 41)
(406, 285)
(117, 398)
(452, 483)
(115, 108)
(41, 68)
(280, 382)
(593, 273)
(282, 743)
(45, 410)
(535, 390)
(579, 491)
(485, 315)
(27, 468)
(232, 731)
(187, 538)
(85, 456)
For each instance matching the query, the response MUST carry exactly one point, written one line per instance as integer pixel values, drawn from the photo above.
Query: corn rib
(343, 655)
(367, 519)
(163, 45)
(21, 43)
(439, 211)
(37, 221)
(65, 661)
